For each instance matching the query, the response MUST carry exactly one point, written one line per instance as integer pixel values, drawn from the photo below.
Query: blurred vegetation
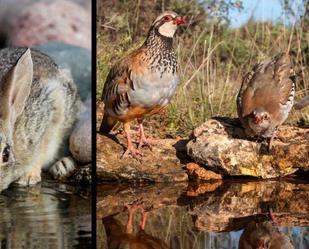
(212, 57)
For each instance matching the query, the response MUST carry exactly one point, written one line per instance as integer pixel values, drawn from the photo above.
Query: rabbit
(39, 106)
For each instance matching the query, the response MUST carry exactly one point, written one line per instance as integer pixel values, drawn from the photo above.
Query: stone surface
(163, 164)
(236, 203)
(197, 172)
(221, 145)
(80, 139)
(45, 21)
(75, 59)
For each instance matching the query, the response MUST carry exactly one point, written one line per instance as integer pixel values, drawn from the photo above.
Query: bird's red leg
(130, 149)
(144, 219)
(130, 219)
(271, 139)
(143, 140)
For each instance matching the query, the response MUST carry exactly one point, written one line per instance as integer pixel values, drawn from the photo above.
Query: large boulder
(221, 145)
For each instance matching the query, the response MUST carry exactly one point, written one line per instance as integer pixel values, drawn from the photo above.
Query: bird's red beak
(257, 119)
(179, 20)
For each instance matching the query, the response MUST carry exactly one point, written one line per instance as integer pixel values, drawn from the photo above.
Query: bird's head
(166, 23)
(259, 119)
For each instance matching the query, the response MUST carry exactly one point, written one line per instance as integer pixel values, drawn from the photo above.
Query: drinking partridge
(266, 97)
(263, 235)
(143, 82)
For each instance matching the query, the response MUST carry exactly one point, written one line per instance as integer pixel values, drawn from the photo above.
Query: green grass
(212, 59)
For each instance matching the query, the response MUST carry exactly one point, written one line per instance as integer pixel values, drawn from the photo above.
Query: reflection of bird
(266, 97)
(264, 235)
(120, 238)
(143, 82)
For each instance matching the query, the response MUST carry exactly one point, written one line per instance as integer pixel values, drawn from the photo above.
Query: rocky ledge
(218, 148)
(221, 145)
(163, 163)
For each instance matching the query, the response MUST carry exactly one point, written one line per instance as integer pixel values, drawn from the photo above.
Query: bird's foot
(146, 142)
(133, 152)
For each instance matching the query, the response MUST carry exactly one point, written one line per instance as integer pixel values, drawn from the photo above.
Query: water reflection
(210, 215)
(50, 215)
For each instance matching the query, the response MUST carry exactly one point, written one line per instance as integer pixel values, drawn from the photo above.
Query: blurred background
(50, 214)
(221, 42)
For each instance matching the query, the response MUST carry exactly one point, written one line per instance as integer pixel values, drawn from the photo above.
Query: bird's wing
(119, 82)
(245, 99)
(267, 85)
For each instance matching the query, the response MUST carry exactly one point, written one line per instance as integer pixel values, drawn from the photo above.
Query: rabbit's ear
(18, 83)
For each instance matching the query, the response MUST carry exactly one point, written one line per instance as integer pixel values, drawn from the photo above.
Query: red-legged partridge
(266, 97)
(264, 235)
(143, 82)
(119, 237)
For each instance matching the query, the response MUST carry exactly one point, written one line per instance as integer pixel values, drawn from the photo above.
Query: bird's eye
(6, 154)
(167, 18)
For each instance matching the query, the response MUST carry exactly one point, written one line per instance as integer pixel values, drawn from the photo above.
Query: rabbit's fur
(39, 105)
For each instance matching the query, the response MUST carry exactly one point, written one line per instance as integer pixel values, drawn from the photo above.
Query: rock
(237, 203)
(221, 145)
(196, 172)
(46, 21)
(80, 139)
(163, 164)
(75, 59)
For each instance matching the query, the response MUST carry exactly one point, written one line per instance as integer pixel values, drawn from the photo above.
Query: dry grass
(212, 59)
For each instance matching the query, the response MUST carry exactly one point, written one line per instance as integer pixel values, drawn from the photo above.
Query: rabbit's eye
(6, 154)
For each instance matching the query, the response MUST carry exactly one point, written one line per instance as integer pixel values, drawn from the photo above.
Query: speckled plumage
(143, 82)
(269, 90)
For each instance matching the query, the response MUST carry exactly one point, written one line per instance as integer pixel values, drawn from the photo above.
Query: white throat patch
(167, 29)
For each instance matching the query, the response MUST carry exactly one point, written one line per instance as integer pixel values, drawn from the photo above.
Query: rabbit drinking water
(39, 105)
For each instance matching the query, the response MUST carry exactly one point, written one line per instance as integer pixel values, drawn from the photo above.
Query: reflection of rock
(163, 164)
(44, 21)
(221, 145)
(264, 235)
(236, 203)
(226, 207)
(114, 196)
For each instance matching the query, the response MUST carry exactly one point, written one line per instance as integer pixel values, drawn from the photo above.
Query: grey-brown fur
(38, 135)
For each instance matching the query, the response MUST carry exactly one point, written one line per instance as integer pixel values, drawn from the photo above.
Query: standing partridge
(143, 82)
(266, 97)
(119, 237)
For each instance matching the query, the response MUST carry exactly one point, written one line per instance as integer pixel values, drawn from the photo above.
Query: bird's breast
(153, 90)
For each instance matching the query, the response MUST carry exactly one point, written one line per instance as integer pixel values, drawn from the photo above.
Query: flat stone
(221, 145)
(198, 173)
(163, 164)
